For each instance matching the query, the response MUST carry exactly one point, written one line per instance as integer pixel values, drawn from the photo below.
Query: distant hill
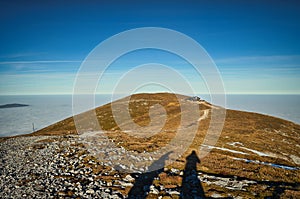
(256, 155)
(13, 105)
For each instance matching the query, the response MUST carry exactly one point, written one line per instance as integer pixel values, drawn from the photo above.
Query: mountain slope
(255, 156)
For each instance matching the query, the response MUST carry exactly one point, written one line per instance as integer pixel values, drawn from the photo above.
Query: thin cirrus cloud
(279, 65)
(39, 66)
(37, 77)
(40, 62)
(252, 74)
(275, 62)
(43, 83)
(270, 58)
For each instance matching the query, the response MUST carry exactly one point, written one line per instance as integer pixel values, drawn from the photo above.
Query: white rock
(173, 193)
(125, 184)
(129, 178)
(174, 170)
(153, 190)
(109, 184)
(90, 191)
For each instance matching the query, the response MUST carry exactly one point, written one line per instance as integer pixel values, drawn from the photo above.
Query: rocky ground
(52, 167)
(61, 167)
(256, 156)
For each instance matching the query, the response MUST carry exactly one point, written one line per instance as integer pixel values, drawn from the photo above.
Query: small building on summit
(194, 99)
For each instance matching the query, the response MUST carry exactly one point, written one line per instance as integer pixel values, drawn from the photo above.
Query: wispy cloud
(260, 66)
(259, 59)
(38, 66)
(22, 55)
(40, 62)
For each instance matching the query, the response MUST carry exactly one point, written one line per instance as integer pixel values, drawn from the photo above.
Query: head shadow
(191, 185)
(142, 184)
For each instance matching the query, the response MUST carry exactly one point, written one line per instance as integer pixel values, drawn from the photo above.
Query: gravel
(61, 167)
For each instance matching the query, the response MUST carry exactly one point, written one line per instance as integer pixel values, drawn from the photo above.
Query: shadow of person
(191, 185)
(142, 184)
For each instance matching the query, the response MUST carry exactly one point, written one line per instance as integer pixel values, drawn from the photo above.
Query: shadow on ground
(142, 184)
(191, 186)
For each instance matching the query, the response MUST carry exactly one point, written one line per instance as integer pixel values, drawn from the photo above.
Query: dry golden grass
(255, 131)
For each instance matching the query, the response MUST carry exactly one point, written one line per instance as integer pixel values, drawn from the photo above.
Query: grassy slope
(259, 132)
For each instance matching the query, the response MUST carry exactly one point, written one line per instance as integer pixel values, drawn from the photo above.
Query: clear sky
(255, 44)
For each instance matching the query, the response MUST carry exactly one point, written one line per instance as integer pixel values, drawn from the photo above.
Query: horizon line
(234, 93)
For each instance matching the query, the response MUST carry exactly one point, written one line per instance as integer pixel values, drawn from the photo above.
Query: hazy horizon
(44, 110)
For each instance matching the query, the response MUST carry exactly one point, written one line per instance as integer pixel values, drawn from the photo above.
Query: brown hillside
(252, 146)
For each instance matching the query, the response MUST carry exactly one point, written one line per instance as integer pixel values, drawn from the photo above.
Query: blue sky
(255, 45)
